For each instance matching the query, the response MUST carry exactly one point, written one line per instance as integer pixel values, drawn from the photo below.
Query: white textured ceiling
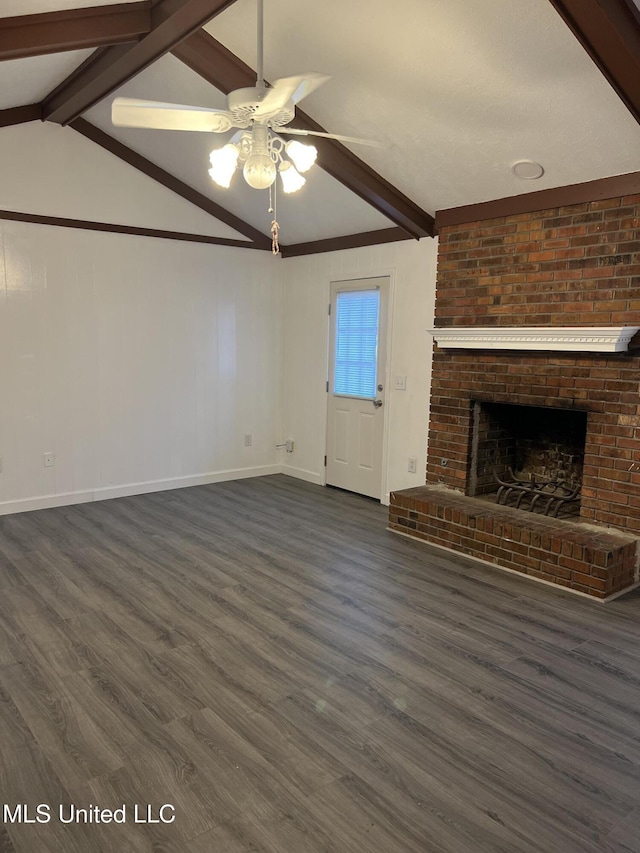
(27, 81)
(455, 90)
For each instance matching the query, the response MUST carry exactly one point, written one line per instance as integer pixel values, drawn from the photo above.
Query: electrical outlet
(413, 465)
(290, 445)
(247, 439)
(49, 459)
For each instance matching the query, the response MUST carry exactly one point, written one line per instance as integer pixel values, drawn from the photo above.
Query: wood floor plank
(213, 685)
(120, 590)
(69, 739)
(58, 642)
(136, 668)
(305, 664)
(254, 673)
(568, 711)
(290, 827)
(231, 766)
(493, 810)
(365, 820)
(517, 627)
(9, 574)
(295, 761)
(28, 778)
(267, 658)
(58, 580)
(572, 675)
(624, 838)
(6, 845)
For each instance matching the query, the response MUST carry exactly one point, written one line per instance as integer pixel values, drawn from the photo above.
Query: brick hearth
(573, 266)
(594, 561)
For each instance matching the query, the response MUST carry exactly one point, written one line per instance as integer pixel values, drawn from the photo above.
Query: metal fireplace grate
(545, 496)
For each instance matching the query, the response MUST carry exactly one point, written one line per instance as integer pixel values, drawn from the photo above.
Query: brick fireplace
(561, 400)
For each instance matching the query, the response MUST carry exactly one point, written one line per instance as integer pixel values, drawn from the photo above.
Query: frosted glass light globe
(223, 164)
(303, 156)
(292, 180)
(259, 171)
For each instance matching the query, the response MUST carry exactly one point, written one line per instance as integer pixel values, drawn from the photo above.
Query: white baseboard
(303, 474)
(126, 490)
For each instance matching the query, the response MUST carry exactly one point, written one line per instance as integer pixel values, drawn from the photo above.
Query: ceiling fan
(256, 113)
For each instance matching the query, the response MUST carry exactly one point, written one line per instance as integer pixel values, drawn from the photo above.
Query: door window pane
(356, 355)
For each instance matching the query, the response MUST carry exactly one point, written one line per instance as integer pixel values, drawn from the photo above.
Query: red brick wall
(572, 266)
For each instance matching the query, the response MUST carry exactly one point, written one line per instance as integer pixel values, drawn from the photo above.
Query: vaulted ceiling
(455, 92)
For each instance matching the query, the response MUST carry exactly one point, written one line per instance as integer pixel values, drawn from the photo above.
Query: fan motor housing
(243, 104)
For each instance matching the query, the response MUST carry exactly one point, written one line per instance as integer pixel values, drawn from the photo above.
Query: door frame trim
(390, 274)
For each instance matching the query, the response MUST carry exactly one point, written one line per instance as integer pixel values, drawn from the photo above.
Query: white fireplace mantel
(540, 338)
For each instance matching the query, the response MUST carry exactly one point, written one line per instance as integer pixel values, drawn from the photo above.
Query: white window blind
(356, 354)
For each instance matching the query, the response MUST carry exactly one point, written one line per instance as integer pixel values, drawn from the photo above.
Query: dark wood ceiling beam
(109, 68)
(73, 29)
(609, 30)
(348, 241)
(112, 228)
(20, 115)
(618, 185)
(169, 181)
(212, 61)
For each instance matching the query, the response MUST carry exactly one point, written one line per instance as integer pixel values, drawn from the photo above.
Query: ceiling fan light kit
(261, 152)
(258, 112)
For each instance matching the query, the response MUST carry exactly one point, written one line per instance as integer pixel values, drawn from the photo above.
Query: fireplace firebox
(529, 457)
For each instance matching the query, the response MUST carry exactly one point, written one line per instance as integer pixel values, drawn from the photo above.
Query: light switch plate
(400, 383)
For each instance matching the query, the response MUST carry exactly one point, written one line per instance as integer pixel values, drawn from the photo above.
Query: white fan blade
(131, 112)
(337, 136)
(290, 89)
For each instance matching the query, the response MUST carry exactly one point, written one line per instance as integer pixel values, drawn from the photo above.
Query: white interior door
(356, 389)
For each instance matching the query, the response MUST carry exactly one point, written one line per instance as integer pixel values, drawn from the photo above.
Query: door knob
(377, 403)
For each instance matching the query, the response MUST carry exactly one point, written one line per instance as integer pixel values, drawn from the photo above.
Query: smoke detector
(528, 170)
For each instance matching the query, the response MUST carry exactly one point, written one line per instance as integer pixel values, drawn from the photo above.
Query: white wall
(140, 363)
(412, 267)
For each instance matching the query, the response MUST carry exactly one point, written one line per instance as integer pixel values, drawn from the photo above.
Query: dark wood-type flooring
(266, 658)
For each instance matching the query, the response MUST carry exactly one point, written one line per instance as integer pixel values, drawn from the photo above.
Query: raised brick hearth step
(600, 562)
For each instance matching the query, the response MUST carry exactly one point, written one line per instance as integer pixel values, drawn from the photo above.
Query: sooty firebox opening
(514, 444)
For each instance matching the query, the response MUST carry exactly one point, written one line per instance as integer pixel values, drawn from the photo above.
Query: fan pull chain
(275, 228)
